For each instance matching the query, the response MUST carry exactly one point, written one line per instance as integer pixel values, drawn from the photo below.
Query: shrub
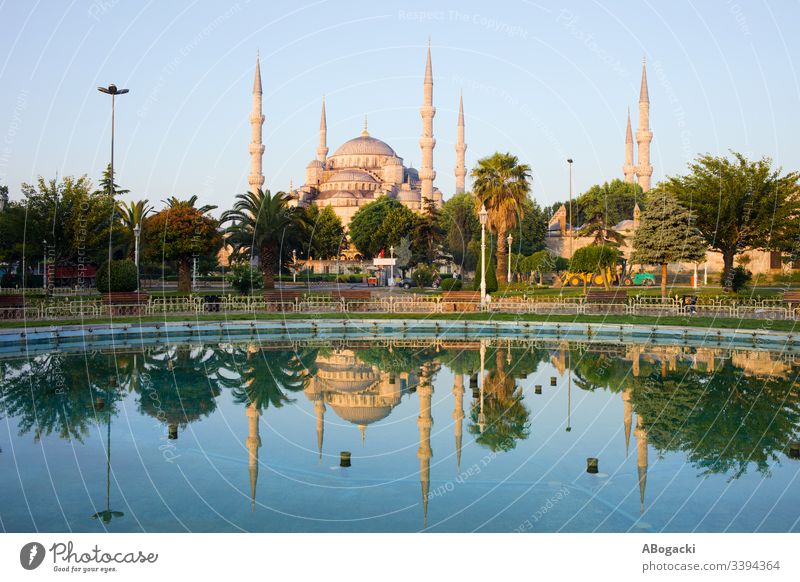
(117, 277)
(451, 284)
(491, 275)
(423, 275)
(741, 277)
(245, 279)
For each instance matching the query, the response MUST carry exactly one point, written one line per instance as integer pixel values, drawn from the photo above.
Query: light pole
(510, 239)
(483, 215)
(481, 416)
(137, 230)
(113, 91)
(294, 266)
(44, 265)
(569, 161)
(391, 267)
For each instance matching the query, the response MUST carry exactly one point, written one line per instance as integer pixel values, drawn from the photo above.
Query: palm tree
(133, 214)
(175, 202)
(265, 225)
(502, 184)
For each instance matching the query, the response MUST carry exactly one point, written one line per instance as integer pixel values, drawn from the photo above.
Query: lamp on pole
(113, 91)
(481, 415)
(391, 267)
(483, 216)
(510, 239)
(137, 230)
(569, 161)
(44, 265)
(294, 266)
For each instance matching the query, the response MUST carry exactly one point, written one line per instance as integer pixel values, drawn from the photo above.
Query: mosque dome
(315, 164)
(365, 145)
(361, 415)
(352, 176)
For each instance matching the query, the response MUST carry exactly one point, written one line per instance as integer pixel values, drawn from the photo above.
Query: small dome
(352, 176)
(337, 195)
(365, 145)
(315, 164)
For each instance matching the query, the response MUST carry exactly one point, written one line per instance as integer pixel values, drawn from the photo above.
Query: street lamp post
(510, 239)
(569, 161)
(44, 265)
(294, 266)
(113, 91)
(483, 215)
(137, 230)
(391, 267)
(481, 415)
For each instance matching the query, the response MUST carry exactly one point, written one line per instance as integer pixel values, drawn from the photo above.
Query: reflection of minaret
(319, 411)
(253, 444)
(643, 135)
(641, 458)
(458, 414)
(634, 354)
(424, 453)
(322, 150)
(256, 178)
(628, 167)
(627, 409)
(461, 148)
(426, 142)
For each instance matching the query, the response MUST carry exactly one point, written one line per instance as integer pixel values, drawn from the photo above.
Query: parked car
(407, 283)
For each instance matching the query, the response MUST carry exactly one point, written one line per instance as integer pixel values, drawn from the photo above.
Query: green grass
(694, 322)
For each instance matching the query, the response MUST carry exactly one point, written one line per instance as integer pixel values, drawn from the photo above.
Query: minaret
(461, 147)
(641, 458)
(322, 149)
(628, 167)
(426, 142)
(319, 411)
(424, 453)
(627, 418)
(256, 178)
(643, 135)
(458, 414)
(253, 444)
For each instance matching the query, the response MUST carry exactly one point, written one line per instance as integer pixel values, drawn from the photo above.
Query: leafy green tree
(594, 259)
(613, 201)
(402, 254)
(78, 223)
(380, 224)
(531, 233)
(105, 186)
(459, 222)
(264, 224)
(502, 184)
(180, 233)
(666, 234)
(739, 204)
(540, 262)
(601, 233)
(324, 236)
(245, 279)
(427, 235)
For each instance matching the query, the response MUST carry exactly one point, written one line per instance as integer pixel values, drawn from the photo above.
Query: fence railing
(79, 309)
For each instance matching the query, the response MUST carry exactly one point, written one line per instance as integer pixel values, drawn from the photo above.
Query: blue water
(707, 438)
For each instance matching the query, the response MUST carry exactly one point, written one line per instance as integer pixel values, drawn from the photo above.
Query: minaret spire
(641, 458)
(424, 453)
(628, 167)
(253, 444)
(627, 417)
(458, 414)
(643, 134)
(322, 149)
(426, 142)
(319, 411)
(461, 147)
(256, 178)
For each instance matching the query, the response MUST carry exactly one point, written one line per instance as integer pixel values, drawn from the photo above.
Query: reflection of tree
(396, 360)
(50, 394)
(263, 377)
(507, 419)
(181, 388)
(722, 421)
(600, 368)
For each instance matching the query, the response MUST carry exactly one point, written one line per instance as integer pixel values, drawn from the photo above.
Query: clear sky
(543, 80)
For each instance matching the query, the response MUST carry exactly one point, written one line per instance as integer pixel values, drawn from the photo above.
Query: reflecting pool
(484, 435)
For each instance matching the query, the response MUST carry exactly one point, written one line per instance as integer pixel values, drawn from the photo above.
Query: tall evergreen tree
(666, 234)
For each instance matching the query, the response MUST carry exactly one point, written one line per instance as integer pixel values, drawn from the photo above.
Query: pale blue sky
(541, 81)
